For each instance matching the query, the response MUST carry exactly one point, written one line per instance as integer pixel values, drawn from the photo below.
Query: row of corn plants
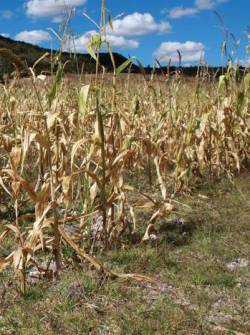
(69, 151)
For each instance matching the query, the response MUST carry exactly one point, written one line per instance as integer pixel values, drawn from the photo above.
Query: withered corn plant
(70, 151)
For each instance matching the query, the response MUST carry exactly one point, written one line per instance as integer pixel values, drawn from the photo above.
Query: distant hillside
(29, 54)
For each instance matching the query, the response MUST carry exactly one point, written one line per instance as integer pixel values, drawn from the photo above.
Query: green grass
(197, 291)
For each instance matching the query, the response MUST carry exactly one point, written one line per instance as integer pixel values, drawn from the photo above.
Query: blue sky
(146, 28)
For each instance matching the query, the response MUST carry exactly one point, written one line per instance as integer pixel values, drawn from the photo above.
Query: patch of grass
(199, 286)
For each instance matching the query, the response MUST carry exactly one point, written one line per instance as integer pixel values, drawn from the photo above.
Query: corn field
(85, 154)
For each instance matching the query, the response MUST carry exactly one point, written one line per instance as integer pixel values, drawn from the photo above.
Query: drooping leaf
(83, 97)
(56, 84)
(123, 66)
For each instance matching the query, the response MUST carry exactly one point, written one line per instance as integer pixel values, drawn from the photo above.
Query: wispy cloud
(208, 4)
(181, 11)
(199, 5)
(6, 14)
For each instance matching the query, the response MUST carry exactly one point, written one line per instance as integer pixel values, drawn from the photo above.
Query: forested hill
(29, 54)
(20, 53)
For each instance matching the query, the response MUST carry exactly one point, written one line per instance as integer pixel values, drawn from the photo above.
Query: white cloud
(190, 51)
(138, 24)
(181, 11)
(245, 62)
(6, 14)
(33, 36)
(5, 35)
(122, 42)
(80, 44)
(50, 8)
